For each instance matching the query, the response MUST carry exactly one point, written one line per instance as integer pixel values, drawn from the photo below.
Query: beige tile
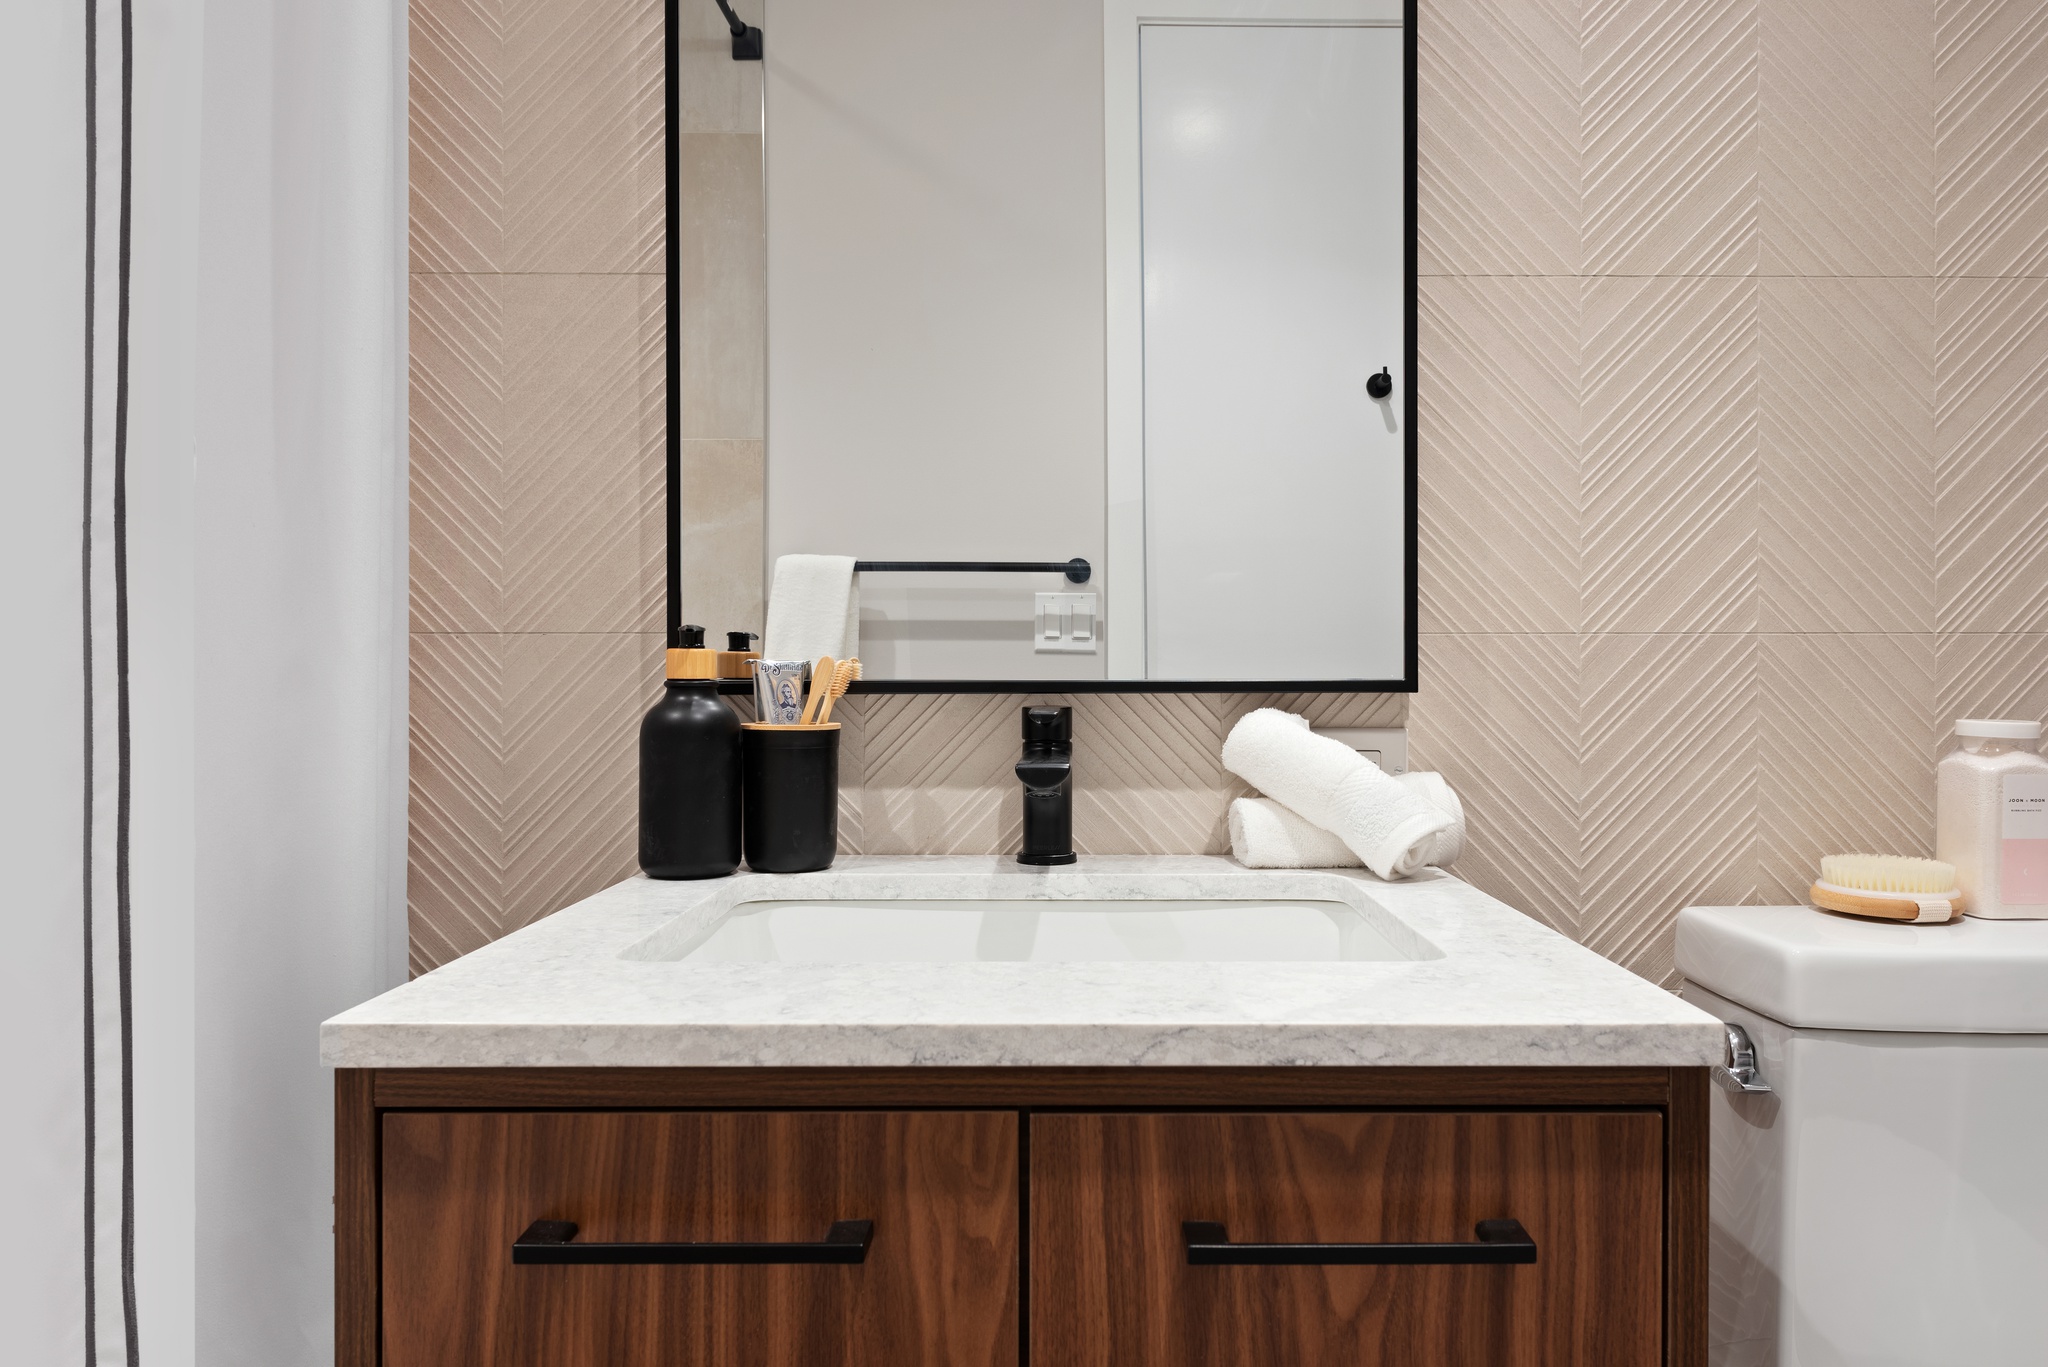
(572, 709)
(584, 468)
(583, 136)
(722, 493)
(721, 333)
(1321, 709)
(851, 714)
(1982, 674)
(1498, 134)
(1499, 717)
(457, 419)
(455, 142)
(940, 774)
(1847, 135)
(1670, 456)
(1991, 438)
(1148, 773)
(1671, 787)
(1848, 724)
(1499, 437)
(1670, 136)
(1847, 454)
(524, 778)
(455, 860)
(1991, 137)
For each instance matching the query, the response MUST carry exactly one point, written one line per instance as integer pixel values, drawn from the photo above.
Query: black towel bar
(1076, 569)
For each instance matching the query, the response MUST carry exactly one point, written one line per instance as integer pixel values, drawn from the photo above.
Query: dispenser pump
(689, 659)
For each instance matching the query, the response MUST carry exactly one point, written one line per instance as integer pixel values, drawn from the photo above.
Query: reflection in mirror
(1045, 281)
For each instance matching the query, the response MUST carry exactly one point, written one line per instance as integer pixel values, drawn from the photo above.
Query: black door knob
(1380, 385)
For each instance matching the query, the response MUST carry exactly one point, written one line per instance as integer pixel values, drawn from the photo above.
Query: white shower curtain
(202, 535)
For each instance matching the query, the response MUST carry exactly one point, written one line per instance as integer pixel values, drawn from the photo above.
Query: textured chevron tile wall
(1734, 437)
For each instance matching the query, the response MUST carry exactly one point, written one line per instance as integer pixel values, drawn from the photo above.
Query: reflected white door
(1273, 258)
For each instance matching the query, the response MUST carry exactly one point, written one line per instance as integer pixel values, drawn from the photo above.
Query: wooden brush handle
(1899, 908)
(821, 682)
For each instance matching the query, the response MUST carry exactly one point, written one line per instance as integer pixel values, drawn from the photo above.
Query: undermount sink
(970, 930)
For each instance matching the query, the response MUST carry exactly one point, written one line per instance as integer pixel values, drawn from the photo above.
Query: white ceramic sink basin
(968, 930)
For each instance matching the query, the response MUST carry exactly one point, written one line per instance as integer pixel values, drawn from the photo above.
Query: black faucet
(1047, 769)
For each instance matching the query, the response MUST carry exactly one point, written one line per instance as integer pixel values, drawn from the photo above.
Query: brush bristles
(1887, 873)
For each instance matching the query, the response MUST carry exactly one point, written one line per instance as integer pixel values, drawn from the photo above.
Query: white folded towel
(1265, 834)
(1336, 788)
(813, 609)
(1430, 786)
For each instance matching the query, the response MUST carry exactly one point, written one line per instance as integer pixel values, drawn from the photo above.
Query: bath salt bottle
(1991, 819)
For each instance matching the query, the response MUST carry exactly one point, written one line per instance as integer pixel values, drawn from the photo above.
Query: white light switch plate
(1067, 623)
(1386, 746)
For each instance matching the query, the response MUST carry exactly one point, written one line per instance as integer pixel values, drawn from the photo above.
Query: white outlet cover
(1386, 746)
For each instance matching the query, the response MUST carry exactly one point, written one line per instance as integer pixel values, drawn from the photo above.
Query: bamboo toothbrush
(842, 678)
(821, 682)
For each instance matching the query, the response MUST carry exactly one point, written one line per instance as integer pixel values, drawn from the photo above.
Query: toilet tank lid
(1819, 970)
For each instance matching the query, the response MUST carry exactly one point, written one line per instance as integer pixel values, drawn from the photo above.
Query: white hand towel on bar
(813, 609)
(1336, 788)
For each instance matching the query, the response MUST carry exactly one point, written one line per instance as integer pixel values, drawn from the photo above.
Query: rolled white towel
(813, 609)
(1265, 835)
(1429, 785)
(1335, 787)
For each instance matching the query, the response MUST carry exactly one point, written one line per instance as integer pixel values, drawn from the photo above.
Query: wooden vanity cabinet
(1112, 1284)
(938, 1286)
(1028, 1215)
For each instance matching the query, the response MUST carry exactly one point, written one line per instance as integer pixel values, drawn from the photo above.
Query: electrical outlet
(1386, 746)
(1066, 623)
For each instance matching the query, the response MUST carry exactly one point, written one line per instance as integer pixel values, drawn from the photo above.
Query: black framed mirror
(1090, 338)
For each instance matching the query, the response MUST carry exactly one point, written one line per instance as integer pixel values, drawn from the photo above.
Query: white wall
(934, 187)
(42, 312)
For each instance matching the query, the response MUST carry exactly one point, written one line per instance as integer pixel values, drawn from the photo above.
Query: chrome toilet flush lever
(1739, 1074)
(1047, 771)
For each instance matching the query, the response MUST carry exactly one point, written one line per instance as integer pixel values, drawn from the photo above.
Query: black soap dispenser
(690, 771)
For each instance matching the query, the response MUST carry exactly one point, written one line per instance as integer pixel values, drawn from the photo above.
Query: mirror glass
(1089, 338)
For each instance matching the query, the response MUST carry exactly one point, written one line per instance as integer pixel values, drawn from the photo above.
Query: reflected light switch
(1066, 623)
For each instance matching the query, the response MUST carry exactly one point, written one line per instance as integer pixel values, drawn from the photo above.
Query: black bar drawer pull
(1500, 1241)
(553, 1241)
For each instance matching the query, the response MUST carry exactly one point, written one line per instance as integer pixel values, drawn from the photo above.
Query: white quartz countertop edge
(582, 988)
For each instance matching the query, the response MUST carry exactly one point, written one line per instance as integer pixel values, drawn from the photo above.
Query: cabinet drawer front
(938, 1283)
(1112, 1283)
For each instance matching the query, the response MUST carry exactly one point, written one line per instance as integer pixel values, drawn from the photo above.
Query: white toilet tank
(1885, 1204)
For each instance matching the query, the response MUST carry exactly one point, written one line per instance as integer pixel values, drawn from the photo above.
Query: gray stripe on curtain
(109, 1244)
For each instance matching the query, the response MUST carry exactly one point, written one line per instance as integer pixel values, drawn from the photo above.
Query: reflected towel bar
(1076, 569)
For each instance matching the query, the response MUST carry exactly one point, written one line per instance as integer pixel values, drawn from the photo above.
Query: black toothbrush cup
(790, 796)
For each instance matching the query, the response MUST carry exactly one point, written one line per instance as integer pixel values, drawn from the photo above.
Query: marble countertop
(586, 987)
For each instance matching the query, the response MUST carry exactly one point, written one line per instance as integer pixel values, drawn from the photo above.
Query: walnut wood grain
(1110, 1284)
(1685, 1204)
(355, 1220)
(940, 1284)
(1094, 1088)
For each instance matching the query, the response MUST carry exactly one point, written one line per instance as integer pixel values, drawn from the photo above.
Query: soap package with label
(1991, 819)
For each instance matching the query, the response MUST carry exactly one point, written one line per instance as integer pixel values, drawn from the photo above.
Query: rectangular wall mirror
(1090, 338)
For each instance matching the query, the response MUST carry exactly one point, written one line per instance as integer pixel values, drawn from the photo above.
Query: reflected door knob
(1380, 385)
